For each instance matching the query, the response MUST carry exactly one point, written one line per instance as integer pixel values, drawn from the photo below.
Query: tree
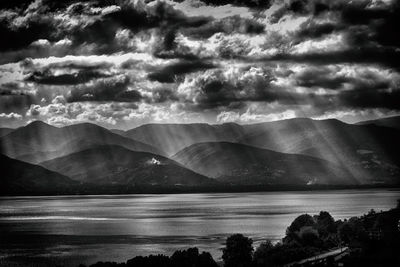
(192, 258)
(308, 236)
(262, 255)
(238, 251)
(325, 224)
(292, 232)
(299, 222)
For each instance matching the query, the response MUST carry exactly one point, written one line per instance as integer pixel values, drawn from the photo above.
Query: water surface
(73, 229)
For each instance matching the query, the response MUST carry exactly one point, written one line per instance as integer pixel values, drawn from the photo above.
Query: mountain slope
(19, 177)
(173, 137)
(244, 164)
(39, 141)
(5, 131)
(392, 122)
(368, 151)
(117, 165)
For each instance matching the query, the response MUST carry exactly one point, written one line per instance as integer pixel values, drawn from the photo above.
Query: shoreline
(202, 190)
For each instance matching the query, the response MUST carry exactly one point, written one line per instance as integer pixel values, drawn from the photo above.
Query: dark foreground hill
(19, 177)
(39, 141)
(115, 165)
(237, 163)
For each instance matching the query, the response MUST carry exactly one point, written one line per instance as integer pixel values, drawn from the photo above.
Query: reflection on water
(91, 228)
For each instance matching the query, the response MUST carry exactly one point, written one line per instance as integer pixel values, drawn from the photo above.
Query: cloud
(245, 3)
(228, 25)
(356, 115)
(321, 77)
(63, 113)
(14, 98)
(199, 60)
(215, 9)
(167, 74)
(227, 87)
(48, 78)
(105, 89)
(315, 30)
(21, 29)
(253, 117)
(11, 115)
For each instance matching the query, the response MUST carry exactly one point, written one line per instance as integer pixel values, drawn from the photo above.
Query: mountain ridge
(39, 141)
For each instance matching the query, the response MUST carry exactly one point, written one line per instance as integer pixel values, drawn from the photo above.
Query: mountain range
(39, 141)
(297, 151)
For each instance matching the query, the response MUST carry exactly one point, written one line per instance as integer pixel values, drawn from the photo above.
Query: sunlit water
(73, 229)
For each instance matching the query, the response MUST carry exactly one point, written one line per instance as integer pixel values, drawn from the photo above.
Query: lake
(73, 229)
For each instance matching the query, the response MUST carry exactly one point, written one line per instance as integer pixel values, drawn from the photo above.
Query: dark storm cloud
(24, 4)
(321, 77)
(362, 98)
(247, 3)
(228, 25)
(232, 95)
(106, 89)
(64, 79)
(13, 98)
(381, 20)
(77, 65)
(167, 48)
(318, 7)
(15, 103)
(387, 57)
(365, 88)
(162, 16)
(21, 27)
(161, 95)
(37, 26)
(169, 73)
(217, 90)
(312, 30)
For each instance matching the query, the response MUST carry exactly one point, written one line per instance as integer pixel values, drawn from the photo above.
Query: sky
(121, 63)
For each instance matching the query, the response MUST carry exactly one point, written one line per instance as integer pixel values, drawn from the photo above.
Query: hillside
(119, 166)
(365, 150)
(5, 131)
(19, 177)
(237, 163)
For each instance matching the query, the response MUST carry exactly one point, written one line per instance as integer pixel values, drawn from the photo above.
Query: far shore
(139, 190)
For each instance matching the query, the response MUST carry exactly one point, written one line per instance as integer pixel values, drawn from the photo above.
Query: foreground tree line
(370, 240)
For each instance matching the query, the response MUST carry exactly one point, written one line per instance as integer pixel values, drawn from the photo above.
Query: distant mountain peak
(39, 124)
